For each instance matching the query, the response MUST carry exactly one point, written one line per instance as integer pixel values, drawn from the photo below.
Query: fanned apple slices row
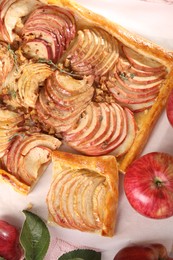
(136, 80)
(103, 128)
(91, 59)
(48, 32)
(132, 79)
(10, 18)
(84, 192)
(63, 99)
(28, 156)
(10, 124)
(23, 84)
(94, 52)
(78, 204)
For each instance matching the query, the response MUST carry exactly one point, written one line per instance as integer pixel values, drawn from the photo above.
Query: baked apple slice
(6, 62)
(29, 156)
(92, 128)
(95, 52)
(4, 6)
(74, 197)
(63, 99)
(9, 127)
(37, 48)
(113, 129)
(141, 62)
(54, 25)
(13, 19)
(24, 84)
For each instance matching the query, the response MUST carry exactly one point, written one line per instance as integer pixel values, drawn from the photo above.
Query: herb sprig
(56, 67)
(124, 76)
(14, 56)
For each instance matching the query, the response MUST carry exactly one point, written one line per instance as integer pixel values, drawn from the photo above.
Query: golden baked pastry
(139, 79)
(84, 192)
(76, 75)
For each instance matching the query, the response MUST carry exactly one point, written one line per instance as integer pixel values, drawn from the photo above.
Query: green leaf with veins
(35, 237)
(81, 254)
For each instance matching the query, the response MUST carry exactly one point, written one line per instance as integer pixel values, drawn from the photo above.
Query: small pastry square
(84, 193)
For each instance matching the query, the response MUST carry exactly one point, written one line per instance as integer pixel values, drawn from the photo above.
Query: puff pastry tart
(81, 77)
(84, 192)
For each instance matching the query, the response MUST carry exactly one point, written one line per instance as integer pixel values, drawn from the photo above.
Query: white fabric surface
(154, 20)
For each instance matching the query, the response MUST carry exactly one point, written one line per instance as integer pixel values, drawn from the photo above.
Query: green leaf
(35, 237)
(1, 258)
(81, 254)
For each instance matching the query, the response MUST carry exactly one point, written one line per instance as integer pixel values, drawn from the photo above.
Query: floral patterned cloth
(58, 247)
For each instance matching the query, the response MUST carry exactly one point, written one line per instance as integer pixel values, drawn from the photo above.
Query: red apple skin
(143, 252)
(10, 248)
(169, 108)
(148, 185)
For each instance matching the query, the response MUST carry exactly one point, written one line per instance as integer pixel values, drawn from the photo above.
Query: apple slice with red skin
(143, 252)
(92, 129)
(15, 12)
(54, 192)
(141, 62)
(50, 122)
(69, 86)
(104, 127)
(38, 48)
(137, 86)
(12, 151)
(4, 6)
(75, 202)
(86, 200)
(109, 122)
(67, 201)
(131, 134)
(81, 125)
(39, 157)
(169, 108)
(40, 33)
(91, 56)
(66, 15)
(55, 21)
(43, 30)
(148, 185)
(23, 144)
(118, 147)
(130, 96)
(117, 138)
(124, 65)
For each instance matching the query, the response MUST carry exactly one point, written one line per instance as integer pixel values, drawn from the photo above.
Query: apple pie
(84, 192)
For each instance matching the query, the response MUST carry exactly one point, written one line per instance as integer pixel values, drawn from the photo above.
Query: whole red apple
(169, 108)
(10, 248)
(148, 185)
(143, 252)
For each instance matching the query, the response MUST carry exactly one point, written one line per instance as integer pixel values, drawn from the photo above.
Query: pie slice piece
(84, 193)
(27, 159)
